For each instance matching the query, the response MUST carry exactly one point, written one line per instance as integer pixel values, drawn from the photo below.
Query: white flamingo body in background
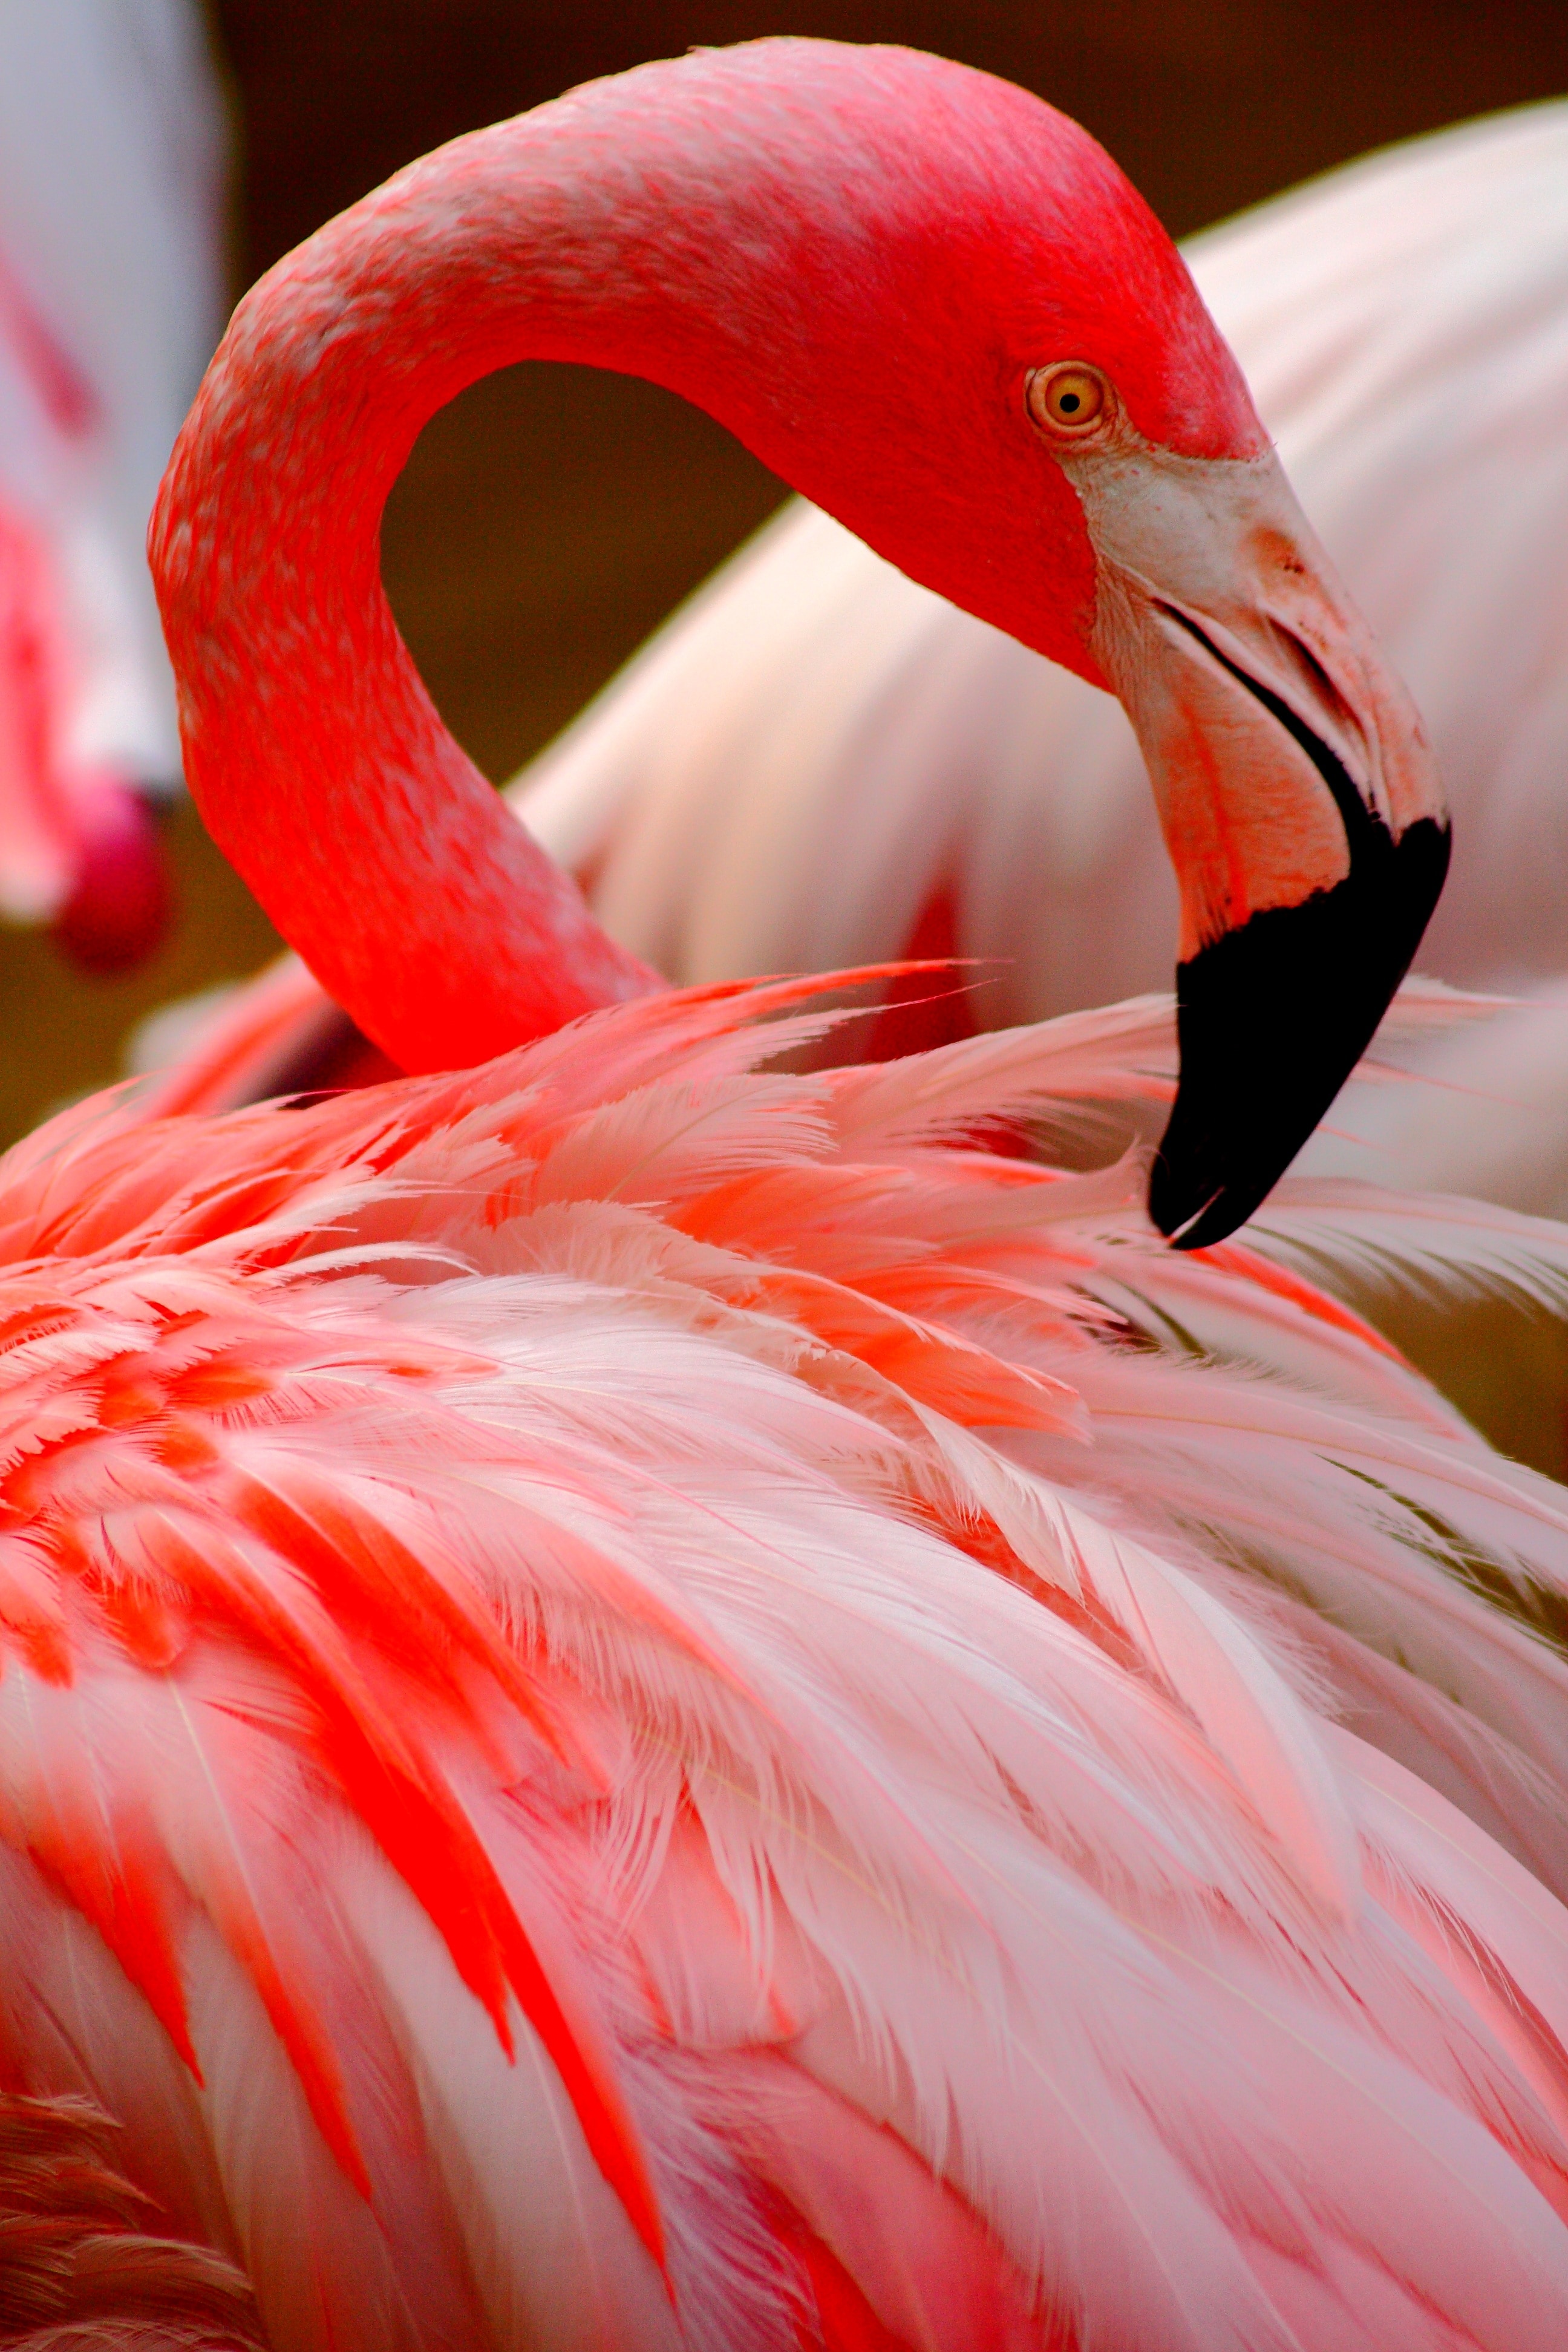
(111, 296)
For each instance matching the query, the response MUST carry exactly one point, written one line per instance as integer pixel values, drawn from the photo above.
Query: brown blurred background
(552, 516)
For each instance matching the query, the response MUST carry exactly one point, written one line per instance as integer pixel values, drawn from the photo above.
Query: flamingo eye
(1069, 398)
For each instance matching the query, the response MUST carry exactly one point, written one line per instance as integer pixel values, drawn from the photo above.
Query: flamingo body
(587, 1750)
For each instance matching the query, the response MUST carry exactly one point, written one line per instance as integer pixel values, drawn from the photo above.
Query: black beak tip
(1189, 1218)
(1272, 1018)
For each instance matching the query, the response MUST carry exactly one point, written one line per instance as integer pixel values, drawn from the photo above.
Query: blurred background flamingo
(110, 148)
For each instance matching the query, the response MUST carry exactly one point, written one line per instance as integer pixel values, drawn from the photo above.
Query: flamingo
(109, 289)
(587, 1753)
(821, 761)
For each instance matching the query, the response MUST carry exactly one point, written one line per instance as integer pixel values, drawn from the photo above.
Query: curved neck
(319, 762)
(610, 228)
(849, 256)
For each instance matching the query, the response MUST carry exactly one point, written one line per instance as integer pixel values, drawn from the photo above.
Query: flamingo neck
(850, 257)
(319, 763)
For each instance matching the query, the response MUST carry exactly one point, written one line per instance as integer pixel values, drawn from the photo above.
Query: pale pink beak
(1298, 795)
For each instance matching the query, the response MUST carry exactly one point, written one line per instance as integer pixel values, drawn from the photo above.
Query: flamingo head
(1017, 396)
(934, 306)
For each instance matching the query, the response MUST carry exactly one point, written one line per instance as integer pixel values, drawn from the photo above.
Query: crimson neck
(317, 757)
(849, 256)
(644, 223)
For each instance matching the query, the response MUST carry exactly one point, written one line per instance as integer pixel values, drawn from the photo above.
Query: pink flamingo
(587, 1755)
(109, 293)
(820, 761)
(1324, 824)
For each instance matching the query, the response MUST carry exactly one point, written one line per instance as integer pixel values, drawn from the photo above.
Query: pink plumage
(629, 1618)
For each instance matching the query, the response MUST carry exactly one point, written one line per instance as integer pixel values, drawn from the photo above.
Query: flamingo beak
(1299, 800)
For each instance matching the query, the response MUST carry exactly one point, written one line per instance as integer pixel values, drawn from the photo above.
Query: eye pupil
(1070, 397)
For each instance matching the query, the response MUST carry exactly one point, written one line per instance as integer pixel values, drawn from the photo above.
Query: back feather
(647, 1703)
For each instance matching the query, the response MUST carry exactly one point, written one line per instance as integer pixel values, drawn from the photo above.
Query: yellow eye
(1068, 398)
